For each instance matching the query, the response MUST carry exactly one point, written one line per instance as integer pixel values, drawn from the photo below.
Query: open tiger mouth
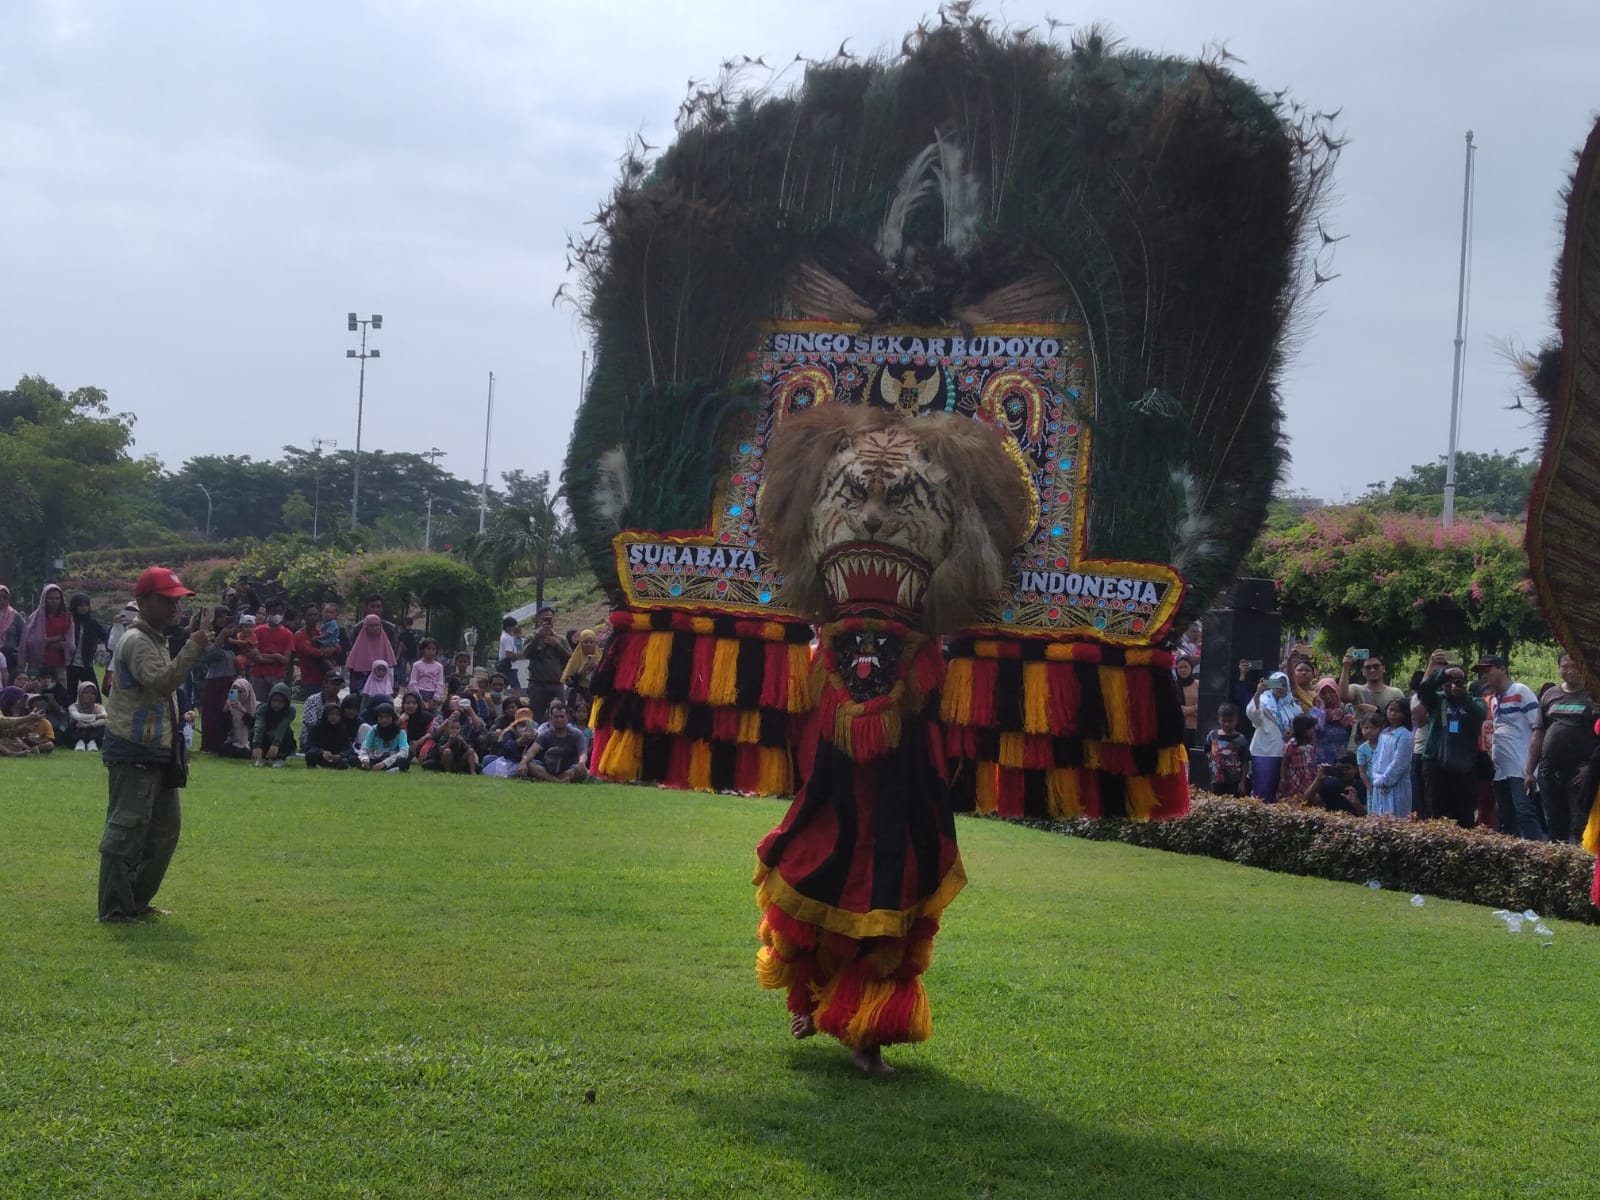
(872, 579)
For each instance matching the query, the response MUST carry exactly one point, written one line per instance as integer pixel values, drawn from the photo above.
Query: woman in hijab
(378, 689)
(326, 745)
(350, 719)
(86, 718)
(1189, 695)
(1301, 673)
(47, 637)
(1335, 721)
(369, 645)
(1272, 711)
(11, 623)
(579, 676)
(239, 718)
(415, 718)
(272, 739)
(88, 635)
(220, 672)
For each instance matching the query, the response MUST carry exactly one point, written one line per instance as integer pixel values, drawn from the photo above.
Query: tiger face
(883, 487)
(864, 511)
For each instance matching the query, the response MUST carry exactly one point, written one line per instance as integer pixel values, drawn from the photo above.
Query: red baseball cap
(160, 581)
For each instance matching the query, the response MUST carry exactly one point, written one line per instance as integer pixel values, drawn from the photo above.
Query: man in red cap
(144, 752)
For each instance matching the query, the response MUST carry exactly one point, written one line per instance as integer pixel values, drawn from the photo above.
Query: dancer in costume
(890, 531)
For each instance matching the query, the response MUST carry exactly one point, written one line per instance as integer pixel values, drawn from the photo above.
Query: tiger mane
(988, 490)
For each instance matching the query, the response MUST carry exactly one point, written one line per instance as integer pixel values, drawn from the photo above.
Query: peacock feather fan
(982, 175)
(1563, 532)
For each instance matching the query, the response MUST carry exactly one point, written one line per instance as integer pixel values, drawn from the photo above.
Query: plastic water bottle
(1374, 884)
(1417, 902)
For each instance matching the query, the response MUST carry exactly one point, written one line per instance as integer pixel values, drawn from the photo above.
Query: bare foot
(869, 1061)
(802, 1025)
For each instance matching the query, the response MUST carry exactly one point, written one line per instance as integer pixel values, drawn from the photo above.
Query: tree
(68, 475)
(1402, 583)
(1495, 484)
(449, 591)
(521, 538)
(296, 512)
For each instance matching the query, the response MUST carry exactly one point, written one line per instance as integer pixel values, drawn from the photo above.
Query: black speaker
(1254, 595)
(1231, 634)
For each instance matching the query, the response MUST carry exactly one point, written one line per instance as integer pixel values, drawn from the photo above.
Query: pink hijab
(377, 685)
(33, 633)
(371, 644)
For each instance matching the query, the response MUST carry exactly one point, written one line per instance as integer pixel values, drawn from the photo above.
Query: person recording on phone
(1450, 753)
(1372, 688)
(1244, 690)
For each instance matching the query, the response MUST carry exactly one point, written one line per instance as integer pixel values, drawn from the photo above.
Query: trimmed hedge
(1437, 858)
(95, 562)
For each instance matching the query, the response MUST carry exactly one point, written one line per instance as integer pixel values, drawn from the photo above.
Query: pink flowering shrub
(1398, 583)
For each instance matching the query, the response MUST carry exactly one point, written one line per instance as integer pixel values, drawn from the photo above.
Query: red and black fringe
(1064, 729)
(852, 882)
(703, 702)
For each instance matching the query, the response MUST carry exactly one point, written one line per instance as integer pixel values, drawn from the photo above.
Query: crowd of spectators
(276, 686)
(376, 695)
(1478, 748)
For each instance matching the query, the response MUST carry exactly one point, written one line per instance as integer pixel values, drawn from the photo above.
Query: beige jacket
(140, 712)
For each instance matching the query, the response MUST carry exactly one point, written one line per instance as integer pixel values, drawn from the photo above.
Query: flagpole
(1449, 515)
(483, 487)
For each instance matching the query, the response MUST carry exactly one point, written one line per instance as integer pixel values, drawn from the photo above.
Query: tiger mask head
(939, 489)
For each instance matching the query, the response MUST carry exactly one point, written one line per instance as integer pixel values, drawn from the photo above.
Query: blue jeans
(1516, 812)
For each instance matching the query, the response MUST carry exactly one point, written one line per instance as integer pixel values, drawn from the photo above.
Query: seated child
(86, 718)
(326, 743)
(272, 741)
(1334, 788)
(452, 752)
(386, 747)
(19, 736)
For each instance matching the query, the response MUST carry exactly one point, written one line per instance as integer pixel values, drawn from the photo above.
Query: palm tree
(520, 539)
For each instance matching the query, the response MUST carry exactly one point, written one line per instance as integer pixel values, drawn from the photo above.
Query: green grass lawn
(412, 986)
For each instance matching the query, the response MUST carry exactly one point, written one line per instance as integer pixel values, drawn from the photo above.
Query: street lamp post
(376, 321)
(316, 504)
(202, 487)
(427, 532)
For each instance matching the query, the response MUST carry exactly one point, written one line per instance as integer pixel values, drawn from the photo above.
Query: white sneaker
(80, 745)
(277, 762)
(92, 746)
(256, 762)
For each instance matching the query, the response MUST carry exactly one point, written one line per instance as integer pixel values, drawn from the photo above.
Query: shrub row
(1436, 858)
(94, 562)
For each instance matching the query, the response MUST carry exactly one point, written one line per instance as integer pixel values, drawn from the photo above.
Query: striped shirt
(1516, 716)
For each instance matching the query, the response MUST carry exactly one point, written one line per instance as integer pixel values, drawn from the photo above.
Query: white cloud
(195, 194)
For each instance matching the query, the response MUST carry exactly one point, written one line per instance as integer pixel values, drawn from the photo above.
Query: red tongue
(863, 668)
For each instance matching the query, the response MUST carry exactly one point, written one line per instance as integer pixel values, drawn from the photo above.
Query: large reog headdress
(1101, 252)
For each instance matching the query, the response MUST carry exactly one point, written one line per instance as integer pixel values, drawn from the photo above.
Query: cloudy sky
(193, 194)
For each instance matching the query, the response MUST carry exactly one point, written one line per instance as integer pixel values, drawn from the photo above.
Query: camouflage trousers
(142, 823)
